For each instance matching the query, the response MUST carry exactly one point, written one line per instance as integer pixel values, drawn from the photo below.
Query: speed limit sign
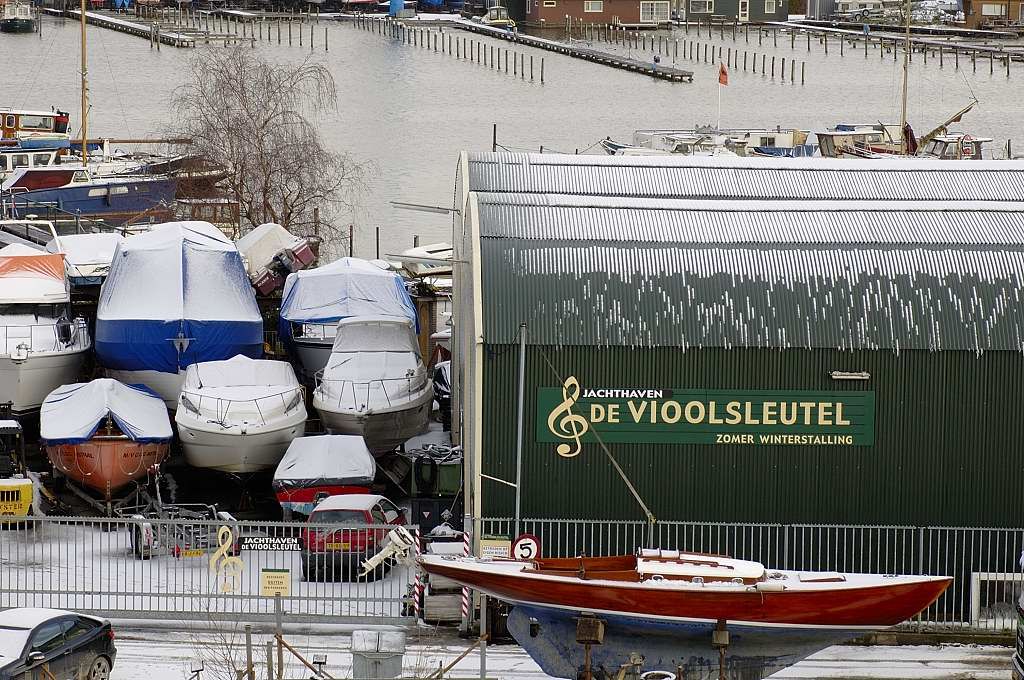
(526, 547)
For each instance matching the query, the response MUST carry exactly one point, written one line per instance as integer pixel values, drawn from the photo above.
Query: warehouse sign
(572, 415)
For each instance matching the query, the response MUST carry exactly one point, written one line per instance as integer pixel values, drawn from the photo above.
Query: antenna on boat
(85, 95)
(906, 77)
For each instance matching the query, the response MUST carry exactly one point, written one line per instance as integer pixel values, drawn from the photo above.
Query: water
(409, 111)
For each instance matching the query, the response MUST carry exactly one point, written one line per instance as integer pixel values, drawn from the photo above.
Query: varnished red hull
(106, 464)
(848, 607)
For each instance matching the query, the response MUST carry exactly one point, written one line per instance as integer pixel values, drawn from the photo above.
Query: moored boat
(175, 296)
(42, 344)
(239, 415)
(75, 190)
(667, 605)
(314, 300)
(315, 468)
(711, 141)
(103, 434)
(375, 383)
(16, 17)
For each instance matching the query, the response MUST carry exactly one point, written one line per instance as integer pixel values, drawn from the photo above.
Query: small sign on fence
(274, 582)
(495, 546)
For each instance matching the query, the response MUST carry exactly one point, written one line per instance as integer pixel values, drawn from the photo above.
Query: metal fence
(987, 578)
(200, 569)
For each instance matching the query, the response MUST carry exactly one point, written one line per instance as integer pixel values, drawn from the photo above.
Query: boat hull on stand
(106, 464)
(24, 383)
(382, 429)
(238, 449)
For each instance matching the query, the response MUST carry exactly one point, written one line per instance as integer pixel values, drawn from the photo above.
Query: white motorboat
(315, 299)
(239, 415)
(375, 383)
(41, 345)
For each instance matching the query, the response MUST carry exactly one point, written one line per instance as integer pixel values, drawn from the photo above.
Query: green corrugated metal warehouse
(751, 342)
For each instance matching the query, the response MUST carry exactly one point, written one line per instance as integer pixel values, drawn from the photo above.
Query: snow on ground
(162, 654)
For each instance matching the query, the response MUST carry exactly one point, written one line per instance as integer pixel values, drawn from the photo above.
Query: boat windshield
(12, 641)
(499, 13)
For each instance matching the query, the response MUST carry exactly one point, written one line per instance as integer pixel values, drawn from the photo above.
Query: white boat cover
(87, 256)
(175, 296)
(30, 276)
(240, 371)
(71, 414)
(372, 349)
(345, 288)
(325, 460)
(259, 246)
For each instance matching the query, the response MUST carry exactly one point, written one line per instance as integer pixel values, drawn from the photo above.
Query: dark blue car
(72, 646)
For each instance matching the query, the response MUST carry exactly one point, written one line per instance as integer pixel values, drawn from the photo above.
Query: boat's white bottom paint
(26, 382)
(166, 385)
(239, 448)
(383, 429)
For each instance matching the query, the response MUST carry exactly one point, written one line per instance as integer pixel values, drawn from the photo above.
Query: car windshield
(12, 641)
(338, 517)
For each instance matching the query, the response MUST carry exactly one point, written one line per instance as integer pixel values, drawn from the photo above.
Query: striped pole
(418, 583)
(465, 590)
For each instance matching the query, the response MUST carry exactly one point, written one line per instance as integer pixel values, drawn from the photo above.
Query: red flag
(723, 74)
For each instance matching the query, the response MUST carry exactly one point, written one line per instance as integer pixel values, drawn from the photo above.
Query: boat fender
(426, 479)
(770, 586)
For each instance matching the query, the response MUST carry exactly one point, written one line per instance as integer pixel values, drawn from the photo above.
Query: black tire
(139, 544)
(99, 669)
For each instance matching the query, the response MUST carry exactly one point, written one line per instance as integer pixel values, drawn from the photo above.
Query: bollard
(792, 70)
(325, 38)
(782, 71)
(808, 41)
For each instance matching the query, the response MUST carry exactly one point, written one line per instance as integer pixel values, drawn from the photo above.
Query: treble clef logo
(223, 564)
(564, 423)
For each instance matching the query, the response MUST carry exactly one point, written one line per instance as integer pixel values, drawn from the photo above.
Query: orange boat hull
(106, 464)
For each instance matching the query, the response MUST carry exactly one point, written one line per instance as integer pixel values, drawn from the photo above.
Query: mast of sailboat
(906, 78)
(85, 95)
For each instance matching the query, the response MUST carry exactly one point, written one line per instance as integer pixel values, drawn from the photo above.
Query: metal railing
(198, 569)
(987, 577)
(218, 409)
(24, 340)
(365, 395)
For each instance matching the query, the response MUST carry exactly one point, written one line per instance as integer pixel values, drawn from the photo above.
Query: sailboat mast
(906, 78)
(85, 95)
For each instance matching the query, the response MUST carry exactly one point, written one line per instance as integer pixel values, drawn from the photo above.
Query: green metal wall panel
(947, 440)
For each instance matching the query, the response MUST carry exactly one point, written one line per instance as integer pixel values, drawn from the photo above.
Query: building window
(989, 9)
(550, 3)
(702, 6)
(593, 5)
(769, 6)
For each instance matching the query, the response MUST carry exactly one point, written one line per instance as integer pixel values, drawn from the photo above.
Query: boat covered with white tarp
(314, 468)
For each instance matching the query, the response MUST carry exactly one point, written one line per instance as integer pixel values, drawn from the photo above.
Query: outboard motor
(443, 392)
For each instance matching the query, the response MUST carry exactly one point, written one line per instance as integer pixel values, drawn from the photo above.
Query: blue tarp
(340, 290)
(798, 151)
(176, 296)
(71, 414)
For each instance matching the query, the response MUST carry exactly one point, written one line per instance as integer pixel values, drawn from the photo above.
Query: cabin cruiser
(175, 296)
(271, 252)
(87, 257)
(314, 300)
(104, 435)
(710, 141)
(42, 345)
(239, 415)
(27, 129)
(78, 190)
(375, 383)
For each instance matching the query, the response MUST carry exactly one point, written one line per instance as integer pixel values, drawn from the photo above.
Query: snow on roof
(30, 617)
(350, 501)
(86, 249)
(7, 426)
(239, 371)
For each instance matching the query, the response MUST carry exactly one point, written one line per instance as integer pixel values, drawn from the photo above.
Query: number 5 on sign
(526, 547)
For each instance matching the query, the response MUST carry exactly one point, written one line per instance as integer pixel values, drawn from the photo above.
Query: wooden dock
(647, 68)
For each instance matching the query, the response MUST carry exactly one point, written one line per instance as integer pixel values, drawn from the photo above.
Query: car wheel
(99, 670)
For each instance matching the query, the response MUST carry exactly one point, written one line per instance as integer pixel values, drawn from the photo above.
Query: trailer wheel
(140, 547)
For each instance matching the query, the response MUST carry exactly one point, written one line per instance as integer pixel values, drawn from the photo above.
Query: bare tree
(251, 116)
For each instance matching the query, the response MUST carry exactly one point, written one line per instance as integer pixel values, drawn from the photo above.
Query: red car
(343, 531)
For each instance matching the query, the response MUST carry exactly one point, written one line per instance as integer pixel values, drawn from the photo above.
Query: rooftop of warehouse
(607, 271)
(678, 176)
